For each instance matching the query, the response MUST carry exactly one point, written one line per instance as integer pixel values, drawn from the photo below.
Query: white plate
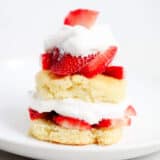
(17, 77)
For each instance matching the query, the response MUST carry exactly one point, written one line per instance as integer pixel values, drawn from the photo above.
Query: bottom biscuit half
(48, 131)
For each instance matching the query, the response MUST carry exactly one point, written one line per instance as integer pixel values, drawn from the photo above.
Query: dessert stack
(80, 96)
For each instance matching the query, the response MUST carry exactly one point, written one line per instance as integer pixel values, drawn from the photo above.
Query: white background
(24, 24)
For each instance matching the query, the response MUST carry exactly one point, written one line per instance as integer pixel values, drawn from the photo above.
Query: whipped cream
(81, 41)
(90, 112)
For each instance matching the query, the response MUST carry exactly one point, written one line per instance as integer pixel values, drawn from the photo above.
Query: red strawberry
(44, 115)
(112, 123)
(82, 17)
(71, 123)
(34, 114)
(46, 61)
(49, 58)
(104, 123)
(69, 64)
(97, 65)
(130, 111)
(114, 71)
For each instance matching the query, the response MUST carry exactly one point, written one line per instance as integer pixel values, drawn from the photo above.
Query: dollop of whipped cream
(81, 41)
(90, 112)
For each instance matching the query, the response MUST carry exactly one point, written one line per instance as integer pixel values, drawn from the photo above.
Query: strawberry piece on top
(84, 17)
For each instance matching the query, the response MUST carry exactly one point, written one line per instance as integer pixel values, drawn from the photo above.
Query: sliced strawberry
(82, 17)
(105, 123)
(98, 64)
(44, 115)
(112, 123)
(69, 64)
(49, 58)
(46, 61)
(114, 71)
(71, 123)
(130, 111)
(34, 114)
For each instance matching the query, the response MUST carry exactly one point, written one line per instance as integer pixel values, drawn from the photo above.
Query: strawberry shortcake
(80, 96)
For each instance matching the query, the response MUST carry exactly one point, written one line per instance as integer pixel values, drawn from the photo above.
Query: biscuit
(100, 88)
(48, 131)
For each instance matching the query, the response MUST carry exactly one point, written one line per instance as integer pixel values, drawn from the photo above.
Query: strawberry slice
(44, 115)
(112, 123)
(46, 61)
(69, 64)
(114, 71)
(130, 111)
(71, 123)
(34, 114)
(49, 58)
(98, 64)
(104, 123)
(125, 121)
(82, 17)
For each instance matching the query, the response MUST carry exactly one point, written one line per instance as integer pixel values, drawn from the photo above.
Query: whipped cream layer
(81, 41)
(90, 112)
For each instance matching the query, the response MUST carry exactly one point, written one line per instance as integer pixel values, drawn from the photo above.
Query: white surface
(81, 41)
(93, 113)
(142, 138)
